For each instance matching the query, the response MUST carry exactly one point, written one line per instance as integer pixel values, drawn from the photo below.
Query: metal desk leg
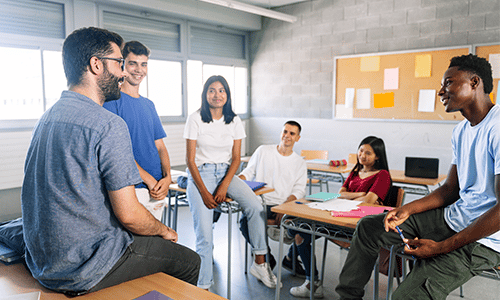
(169, 208)
(278, 283)
(176, 207)
(313, 260)
(229, 238)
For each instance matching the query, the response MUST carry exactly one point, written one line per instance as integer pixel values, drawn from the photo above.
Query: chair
(315, 154)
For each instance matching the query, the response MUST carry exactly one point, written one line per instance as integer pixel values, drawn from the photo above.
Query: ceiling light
(252, 9)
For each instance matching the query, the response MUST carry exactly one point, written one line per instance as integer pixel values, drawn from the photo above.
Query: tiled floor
(246, 287)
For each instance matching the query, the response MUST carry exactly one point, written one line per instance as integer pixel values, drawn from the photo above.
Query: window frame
(53, 44)
(35, 43)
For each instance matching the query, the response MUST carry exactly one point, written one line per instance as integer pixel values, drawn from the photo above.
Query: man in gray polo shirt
(83, 225)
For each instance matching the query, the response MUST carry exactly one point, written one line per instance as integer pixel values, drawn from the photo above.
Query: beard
(109, 86)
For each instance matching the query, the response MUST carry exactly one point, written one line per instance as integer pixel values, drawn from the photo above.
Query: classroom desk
(16, 279)
(316, 222)
(229, 207)
(322, 171)
(398, 176)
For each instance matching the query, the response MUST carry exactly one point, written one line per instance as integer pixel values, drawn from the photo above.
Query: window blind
(152, 33)
(33, 18)
(206, 41)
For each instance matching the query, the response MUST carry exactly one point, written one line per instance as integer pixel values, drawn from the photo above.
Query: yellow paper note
(383, 100)
(423, 65)
(370, 64)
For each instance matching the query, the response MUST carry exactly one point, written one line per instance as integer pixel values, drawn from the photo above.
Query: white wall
(342, 137)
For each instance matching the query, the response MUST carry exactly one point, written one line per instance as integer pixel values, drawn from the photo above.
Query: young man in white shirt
(286, 172)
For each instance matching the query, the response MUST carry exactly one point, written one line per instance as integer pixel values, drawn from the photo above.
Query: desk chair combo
(315, 154)
(228, 207)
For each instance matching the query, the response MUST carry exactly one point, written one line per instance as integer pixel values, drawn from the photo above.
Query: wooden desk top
(16, 279)
(304, 211)
(327, 168)
(399, 176)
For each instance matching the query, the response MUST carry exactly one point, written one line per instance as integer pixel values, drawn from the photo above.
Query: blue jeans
(239, 191)
(304, 250)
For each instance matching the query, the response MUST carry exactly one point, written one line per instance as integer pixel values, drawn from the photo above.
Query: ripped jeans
(431, 278)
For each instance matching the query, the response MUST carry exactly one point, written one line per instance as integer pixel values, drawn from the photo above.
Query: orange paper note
(383, 100)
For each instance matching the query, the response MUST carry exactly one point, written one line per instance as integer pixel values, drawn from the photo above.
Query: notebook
(154, 295)
(422, 167)
(362, 211)
(322, 196)
(255, 185)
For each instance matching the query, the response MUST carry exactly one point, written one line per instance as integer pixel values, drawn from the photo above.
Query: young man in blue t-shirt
(146, 130)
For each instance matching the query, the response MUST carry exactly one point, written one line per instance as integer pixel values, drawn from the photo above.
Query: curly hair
(476, 65)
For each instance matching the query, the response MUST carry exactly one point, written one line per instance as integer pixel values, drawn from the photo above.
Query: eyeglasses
(120, 60)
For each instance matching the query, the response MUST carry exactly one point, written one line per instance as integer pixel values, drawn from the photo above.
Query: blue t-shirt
(476, 153)
(145, 128)
(78, 152)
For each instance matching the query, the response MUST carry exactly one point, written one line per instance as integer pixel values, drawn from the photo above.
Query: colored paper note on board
(426, 100)
(349, 97)
(370, 64)
(383, 100)
(391, 79)
(423, 65)
(363, 97)
(343, 112)
(494, 60)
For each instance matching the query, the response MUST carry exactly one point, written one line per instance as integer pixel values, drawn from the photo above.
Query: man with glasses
(83, 225)
(146, 131)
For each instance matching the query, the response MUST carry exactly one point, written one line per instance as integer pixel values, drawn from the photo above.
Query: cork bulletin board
(352, 74)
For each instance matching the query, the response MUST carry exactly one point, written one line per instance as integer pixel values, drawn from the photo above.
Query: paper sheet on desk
(336, 205)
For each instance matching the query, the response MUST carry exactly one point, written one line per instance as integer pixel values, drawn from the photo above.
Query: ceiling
(270, 3)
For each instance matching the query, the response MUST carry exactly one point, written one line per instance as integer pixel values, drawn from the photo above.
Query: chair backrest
(395, 197)
(352, 159)
(314, 154)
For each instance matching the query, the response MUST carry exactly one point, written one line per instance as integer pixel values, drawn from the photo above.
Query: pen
(402, 237)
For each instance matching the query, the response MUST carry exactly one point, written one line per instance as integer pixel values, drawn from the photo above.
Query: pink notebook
(362, 211)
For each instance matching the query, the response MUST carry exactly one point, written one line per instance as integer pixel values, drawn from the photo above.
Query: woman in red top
(369, 181)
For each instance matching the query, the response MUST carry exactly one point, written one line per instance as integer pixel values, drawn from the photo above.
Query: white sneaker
(304, 292)
(274, 234)
(264, 273)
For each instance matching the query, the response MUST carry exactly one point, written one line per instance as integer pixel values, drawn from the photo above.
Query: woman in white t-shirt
(213, 142)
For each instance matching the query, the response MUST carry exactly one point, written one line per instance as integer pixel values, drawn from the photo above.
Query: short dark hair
(293, 123)
(476, 65)
(379, 148)
(227, 110)
(136, 48)
(81, 45)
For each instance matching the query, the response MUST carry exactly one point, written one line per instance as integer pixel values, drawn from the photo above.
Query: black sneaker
(299, 270)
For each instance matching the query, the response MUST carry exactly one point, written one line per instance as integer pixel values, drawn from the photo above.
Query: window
(236, 77)
(163, 86)
(27, 91)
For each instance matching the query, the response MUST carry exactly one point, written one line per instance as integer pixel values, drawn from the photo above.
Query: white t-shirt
(287, 175)
(214, 140)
